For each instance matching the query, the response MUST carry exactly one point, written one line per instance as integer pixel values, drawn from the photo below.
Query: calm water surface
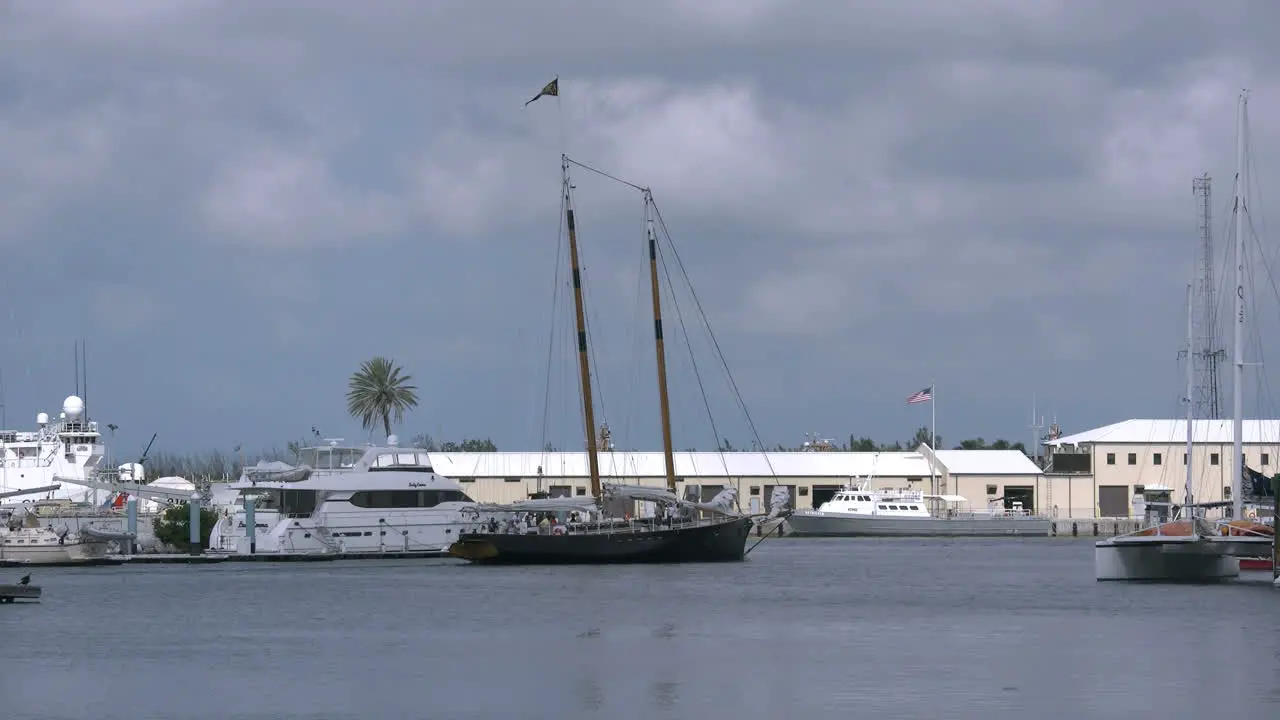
(806, 628)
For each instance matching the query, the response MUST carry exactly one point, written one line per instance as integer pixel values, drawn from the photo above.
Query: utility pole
(1208, 357)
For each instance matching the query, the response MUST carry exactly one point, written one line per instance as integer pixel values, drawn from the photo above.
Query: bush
(173, 526)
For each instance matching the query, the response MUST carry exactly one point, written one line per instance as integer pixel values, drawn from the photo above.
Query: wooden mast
(664, 403)
(584, 363)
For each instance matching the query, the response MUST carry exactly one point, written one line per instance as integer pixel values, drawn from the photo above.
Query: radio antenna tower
(1209, 356)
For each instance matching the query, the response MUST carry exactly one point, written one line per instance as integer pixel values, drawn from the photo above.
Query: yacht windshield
(330, 458)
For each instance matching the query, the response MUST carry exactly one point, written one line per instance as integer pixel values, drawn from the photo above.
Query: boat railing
(607, 526)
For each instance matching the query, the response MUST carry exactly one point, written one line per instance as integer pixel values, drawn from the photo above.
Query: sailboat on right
(1192, 548)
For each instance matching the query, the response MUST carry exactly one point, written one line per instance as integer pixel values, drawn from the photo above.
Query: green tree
(173, 526)
(478, 445)
(864, 444)
(380, 390)
(924, 437)
(424, 441)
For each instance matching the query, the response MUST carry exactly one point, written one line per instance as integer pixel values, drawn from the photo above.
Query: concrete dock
(13, 593)
(216, 558)
(1058, 527)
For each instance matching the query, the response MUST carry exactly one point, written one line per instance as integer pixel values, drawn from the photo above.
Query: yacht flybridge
(53, 462)
(344, 499)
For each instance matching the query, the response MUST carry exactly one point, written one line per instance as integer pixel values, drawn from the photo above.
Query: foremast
(584, 361)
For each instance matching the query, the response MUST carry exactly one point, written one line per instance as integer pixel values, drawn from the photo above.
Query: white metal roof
(987, 462)
(842, 465)
(1175, 431)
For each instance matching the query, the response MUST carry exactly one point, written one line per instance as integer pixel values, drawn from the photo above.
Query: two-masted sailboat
(600, 529)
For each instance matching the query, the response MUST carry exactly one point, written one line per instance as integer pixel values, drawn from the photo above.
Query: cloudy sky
(234, 204)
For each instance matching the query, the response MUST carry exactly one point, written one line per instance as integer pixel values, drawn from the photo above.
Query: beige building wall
(1070, 496)
(757, 489)
(1135, 465)
(981, 490)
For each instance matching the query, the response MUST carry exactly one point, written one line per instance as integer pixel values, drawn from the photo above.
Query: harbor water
(805, 628)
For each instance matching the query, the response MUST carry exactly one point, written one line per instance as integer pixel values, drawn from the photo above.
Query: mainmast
(1188, 511)
(664, 404)
(1241, 208)
(584, 363)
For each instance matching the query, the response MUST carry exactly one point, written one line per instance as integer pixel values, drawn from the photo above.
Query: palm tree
(380, 390)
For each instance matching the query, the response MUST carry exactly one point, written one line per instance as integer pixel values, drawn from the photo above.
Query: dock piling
(131, 515)
(194, 538)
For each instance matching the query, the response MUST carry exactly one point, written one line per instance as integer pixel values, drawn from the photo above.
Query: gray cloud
(869, 195)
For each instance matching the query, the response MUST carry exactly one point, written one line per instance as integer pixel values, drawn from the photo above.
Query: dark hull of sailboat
(723, 541)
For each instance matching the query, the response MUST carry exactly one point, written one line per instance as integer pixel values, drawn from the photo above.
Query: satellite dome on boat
(73, 406)
(42, 419)
(393, 440)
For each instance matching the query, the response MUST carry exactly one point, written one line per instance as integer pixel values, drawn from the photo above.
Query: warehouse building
(1113, 471)
(983, 477)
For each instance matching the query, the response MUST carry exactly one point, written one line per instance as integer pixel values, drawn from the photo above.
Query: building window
(1213, 458)
(1226, 492)
(1184, 458)
(1111, 458)
(1133, 458)
(1266, 458)
(991, 489)
(511, 479)
(804, 492)
(1156, 459)
(581, 491)
(1139, 489)
(755, 489)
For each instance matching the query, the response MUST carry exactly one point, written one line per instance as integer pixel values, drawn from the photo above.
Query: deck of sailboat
(1235, 546)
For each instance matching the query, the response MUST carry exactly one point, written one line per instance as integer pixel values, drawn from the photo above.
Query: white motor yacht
(350, 500)
(857, 510)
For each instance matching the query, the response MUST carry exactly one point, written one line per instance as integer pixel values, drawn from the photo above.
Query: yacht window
(864, 498)
(402, 462)
(915, 507)
(884, 507)
(389, 499)
(297, 503)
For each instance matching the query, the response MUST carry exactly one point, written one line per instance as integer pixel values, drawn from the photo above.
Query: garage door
(1113, 500)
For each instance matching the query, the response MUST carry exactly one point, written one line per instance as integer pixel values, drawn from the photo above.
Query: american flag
(924, 395)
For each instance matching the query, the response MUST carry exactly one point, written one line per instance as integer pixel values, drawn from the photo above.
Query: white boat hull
(1168, 561)
(828, 524)
(347, 533)
(43, 553)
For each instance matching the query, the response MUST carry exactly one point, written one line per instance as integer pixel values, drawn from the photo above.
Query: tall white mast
(1188, 512)
(1237, 389)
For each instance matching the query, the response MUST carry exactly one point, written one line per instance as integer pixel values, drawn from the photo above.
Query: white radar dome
(392, 440)
(73, 406)
(42, 419)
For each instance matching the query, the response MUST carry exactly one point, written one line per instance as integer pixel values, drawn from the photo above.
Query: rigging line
(596, 367)
(551, 339)
(714, 341)
(697, 374)
(1263, 381)
(603, 174)
(636, 339)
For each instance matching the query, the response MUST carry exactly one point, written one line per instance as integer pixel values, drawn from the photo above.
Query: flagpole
(561, 123)
(933, 433)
